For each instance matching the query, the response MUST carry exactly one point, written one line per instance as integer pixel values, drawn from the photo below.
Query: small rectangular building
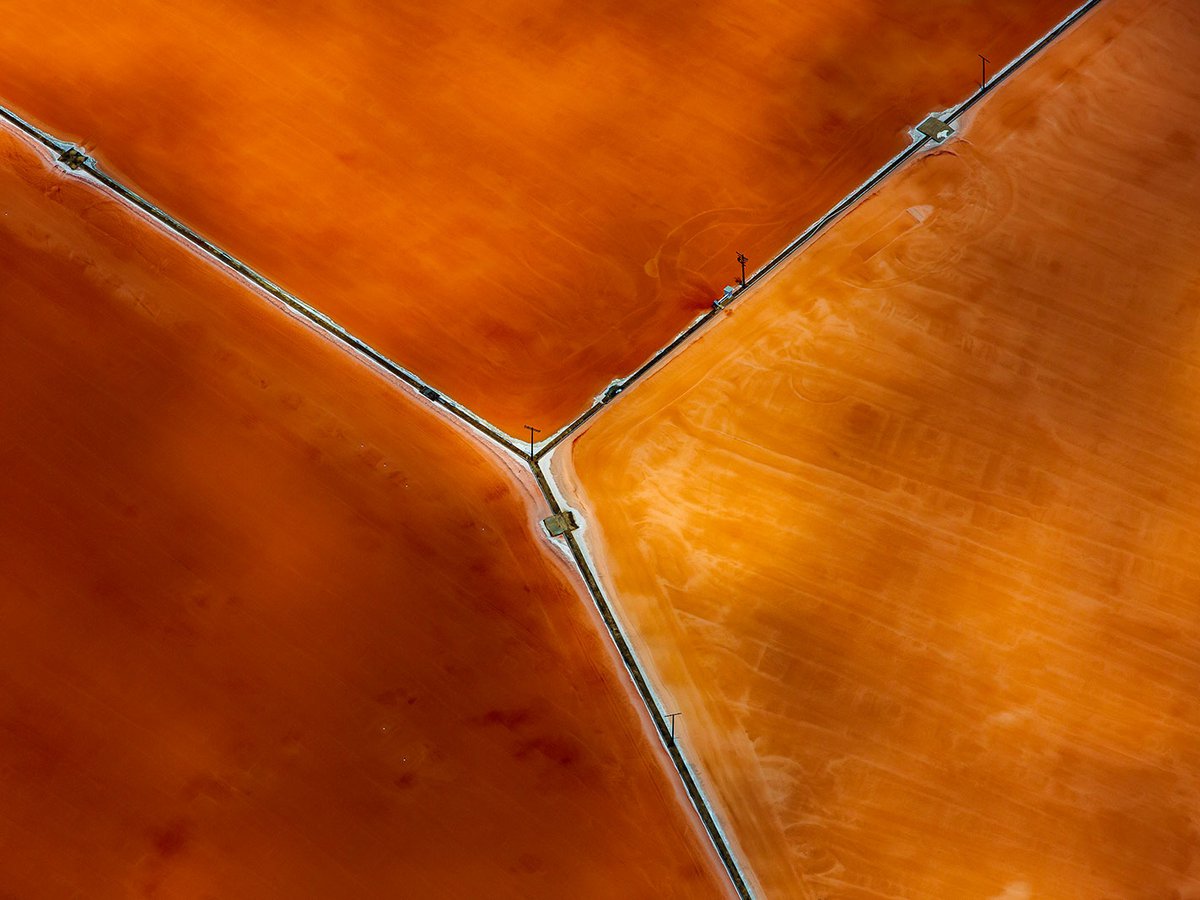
(560, 523)
(935, 128)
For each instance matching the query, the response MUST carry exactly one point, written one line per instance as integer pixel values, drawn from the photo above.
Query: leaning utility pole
(671, 716)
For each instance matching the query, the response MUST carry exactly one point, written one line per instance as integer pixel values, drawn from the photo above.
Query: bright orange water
(910, 536)
(270, 628)
(518, 201)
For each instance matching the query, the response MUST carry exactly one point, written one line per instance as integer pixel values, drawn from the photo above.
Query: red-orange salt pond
(271, 628)
(518, 201)
(911, 536)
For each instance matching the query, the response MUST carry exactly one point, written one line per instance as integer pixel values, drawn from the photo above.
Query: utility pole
(532, 432)
(671, 716)
(983, 61)
(741, 258)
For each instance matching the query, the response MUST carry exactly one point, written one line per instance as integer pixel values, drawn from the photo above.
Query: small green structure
(935, 128)
(72, 158)
(560, 523)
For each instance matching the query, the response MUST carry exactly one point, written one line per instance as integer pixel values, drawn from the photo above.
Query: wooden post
(532, 432)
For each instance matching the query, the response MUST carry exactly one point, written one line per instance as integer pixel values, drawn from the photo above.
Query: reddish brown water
(271, 628)
(518, 201)
(910, 537)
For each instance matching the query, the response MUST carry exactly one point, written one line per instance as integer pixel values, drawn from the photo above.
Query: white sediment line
(265, 289)
(546, 463)
(656, 707)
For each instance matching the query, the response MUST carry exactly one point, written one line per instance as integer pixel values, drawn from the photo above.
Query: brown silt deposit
(910, 536)
(271, 628)
(519, 201)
